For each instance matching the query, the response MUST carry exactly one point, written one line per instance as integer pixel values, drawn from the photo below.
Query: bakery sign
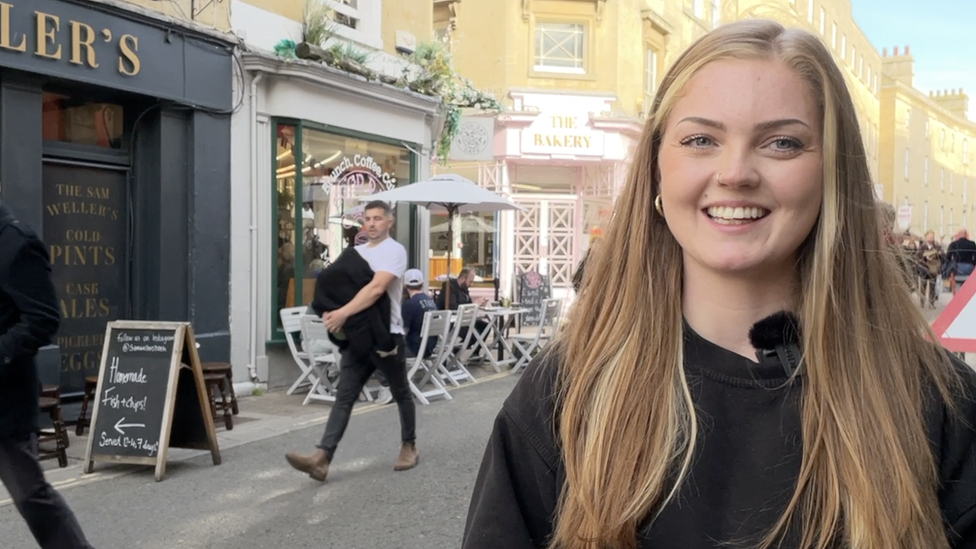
(561, 134)
(360, 175)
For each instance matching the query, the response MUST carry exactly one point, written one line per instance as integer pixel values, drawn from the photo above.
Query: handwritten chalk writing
(132, 348)
(116, 402)
(122, 441)
(117, 377)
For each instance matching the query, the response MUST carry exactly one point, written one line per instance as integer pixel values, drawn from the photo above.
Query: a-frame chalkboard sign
(151, 396)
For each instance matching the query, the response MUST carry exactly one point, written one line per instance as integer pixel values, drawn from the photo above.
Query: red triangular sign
(956, 326)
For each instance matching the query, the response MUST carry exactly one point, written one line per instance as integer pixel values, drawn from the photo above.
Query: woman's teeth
(735, 216)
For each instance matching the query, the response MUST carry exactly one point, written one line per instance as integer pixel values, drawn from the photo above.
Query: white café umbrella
(447, 193)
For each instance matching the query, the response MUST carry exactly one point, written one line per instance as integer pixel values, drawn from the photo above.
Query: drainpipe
(252, 367)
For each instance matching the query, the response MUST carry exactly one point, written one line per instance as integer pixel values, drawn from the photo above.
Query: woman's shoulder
(531, 407)
(953, 430)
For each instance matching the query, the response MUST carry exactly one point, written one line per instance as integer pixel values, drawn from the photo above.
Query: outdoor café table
(501, 320)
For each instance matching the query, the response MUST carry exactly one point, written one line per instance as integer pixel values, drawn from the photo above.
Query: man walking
(388, 260)
(29, 319)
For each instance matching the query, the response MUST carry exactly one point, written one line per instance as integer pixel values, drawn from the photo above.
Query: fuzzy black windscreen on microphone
(781, 328)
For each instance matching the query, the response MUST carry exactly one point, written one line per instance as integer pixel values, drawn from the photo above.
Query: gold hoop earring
(658, 206)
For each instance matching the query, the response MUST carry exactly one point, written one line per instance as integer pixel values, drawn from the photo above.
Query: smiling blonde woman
(651, 423)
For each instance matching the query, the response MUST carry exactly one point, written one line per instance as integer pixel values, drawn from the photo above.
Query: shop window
(81, 121)
(320, 178)
(474, 246)
(560, 47)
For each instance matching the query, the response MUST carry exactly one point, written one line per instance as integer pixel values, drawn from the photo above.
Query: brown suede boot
(408, 457)
(316, 465)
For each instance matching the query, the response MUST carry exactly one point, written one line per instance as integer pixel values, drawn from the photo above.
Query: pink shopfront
(563, 158)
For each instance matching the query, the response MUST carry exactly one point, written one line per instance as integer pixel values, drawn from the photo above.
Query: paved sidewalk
(261, 416)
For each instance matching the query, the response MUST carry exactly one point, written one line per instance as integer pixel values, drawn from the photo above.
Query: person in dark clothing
(29, 320)
(388, 259)
(962, 254)
(460, 295)
(655, 420)
(414, 308)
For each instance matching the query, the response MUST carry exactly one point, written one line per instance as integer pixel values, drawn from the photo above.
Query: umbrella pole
(450, 255)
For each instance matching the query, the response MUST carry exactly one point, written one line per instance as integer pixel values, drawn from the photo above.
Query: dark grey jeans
(47, 514)
(353, 376)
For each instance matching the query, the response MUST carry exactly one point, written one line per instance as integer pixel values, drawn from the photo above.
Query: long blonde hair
(626, 420)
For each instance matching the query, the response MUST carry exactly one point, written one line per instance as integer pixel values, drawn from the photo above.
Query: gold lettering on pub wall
(82, 37)
(5, 30)
(129, 45)
(47, 35)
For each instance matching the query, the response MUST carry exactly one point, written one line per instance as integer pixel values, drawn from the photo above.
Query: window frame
(589, 47)
(369, 15)
(277, 335)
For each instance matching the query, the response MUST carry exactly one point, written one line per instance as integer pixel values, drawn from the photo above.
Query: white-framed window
(853, 56)
(926, 167)
(717, 13)
(560, 47)
(357, 20)
(907, 156)
(810, 11)
(650, 78)
(868, 79)
(843, 46)
(699, 8)
(823, 22)
(833, 35)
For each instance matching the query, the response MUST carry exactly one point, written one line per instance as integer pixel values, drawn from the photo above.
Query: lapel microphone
(777, 341)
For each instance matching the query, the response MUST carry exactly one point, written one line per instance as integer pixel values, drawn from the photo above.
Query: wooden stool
(54, 391)
(224, 369)
(215, 383)
(56, 434)
(91, 384)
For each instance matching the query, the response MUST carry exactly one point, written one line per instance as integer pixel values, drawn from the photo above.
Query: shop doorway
(86, 232)
(545, 239)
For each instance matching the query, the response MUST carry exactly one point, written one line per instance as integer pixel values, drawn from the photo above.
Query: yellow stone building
(575, 76)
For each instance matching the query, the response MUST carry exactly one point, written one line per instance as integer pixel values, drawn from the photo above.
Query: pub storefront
(115, 147)
(309, 143)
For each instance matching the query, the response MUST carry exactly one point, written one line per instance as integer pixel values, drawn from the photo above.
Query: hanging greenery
(432, 73)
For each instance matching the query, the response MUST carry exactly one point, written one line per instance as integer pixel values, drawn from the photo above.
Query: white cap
(413, 277)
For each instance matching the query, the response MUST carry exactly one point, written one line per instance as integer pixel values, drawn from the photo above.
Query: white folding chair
(324, 356)
(436, 324)
(291, 323)
(529, 344)
(457, 349)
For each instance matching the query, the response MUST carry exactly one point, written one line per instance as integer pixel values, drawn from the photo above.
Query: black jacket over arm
(367, 331)
(29, 319)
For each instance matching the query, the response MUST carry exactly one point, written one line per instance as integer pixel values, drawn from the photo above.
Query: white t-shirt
(389, 256)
